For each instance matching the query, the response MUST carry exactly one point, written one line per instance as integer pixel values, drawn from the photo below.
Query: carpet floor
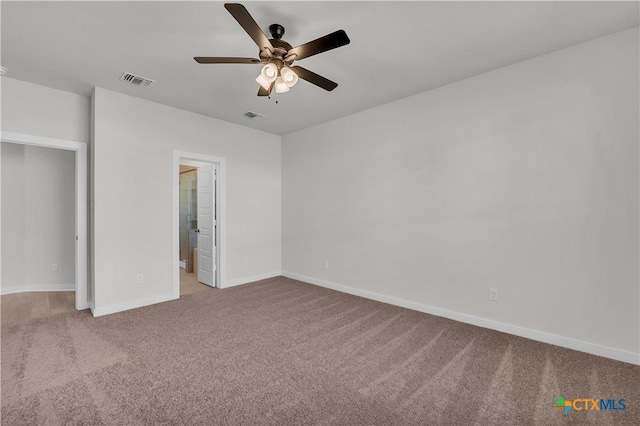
(281, 352)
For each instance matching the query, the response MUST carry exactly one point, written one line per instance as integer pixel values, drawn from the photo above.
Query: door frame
(80, 150)
(184, 157)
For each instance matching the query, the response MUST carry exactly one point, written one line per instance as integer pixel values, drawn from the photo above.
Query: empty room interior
(320, 213)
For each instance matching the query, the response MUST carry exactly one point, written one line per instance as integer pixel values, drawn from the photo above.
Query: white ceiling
(397, 49)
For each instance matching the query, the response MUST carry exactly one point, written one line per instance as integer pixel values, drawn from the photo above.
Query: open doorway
(198, 219)
(197, 208)
(77, 228)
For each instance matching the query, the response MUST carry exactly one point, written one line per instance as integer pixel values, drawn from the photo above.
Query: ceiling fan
(278, 56)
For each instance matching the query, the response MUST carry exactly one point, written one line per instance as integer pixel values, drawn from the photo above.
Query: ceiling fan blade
(264, 92)
(222, 60)
(322, 44)
(314, 78)
(240, 13)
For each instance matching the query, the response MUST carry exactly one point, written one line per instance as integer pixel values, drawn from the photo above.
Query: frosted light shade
(263, 82)
(269, 72)
(289, 76)
(281, 85)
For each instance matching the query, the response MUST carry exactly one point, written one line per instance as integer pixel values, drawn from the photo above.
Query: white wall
(524, 179)
(132, 156)
(38, 218)
(41, 111)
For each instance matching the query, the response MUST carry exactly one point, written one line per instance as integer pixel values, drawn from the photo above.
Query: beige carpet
(280, 352)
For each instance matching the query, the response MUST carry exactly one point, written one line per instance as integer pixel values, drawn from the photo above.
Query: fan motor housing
(280, 44)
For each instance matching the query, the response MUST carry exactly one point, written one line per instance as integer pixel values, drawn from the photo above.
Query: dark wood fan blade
(322, 44)
(314, 78)
(240, 13)
(264, 92)
(221, 60)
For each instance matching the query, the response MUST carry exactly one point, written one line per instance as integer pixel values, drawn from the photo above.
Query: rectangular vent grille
(253, 115)
(136, 79)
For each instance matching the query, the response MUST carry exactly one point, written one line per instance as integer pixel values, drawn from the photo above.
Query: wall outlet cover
(493, 294)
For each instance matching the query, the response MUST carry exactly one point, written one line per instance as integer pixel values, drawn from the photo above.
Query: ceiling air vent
(136, 79)
(253, 115)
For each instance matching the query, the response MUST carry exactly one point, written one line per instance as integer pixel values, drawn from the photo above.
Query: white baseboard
(133, 304)
(540, 336)
(246, 280)
(182, 264)
(37, 287)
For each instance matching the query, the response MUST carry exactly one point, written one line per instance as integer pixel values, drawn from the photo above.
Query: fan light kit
(282, 78)
(277, 55)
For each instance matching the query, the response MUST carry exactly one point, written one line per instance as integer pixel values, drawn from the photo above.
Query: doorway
(80, 205)
(197, 226)
(188, 217)
(198, 222)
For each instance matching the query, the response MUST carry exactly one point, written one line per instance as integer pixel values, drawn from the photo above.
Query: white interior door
(206, 225)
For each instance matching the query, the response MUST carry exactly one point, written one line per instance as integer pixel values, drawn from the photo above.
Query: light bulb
(269, 72)
(289, 76)
(281, 85)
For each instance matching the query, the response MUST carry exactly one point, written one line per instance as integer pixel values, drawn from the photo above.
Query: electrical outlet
(54, 267)
(326, 264)
(493, 294)
(246, 261)
(139, 279)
